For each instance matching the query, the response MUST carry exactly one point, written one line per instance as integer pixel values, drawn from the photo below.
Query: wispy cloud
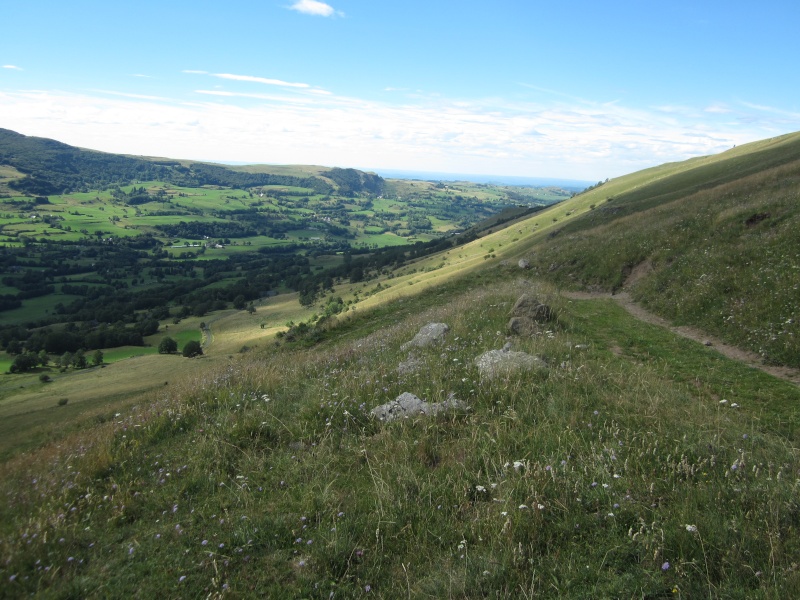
(13, 67)
(717, 108)
(141, 75)
(194, 72)
(264, 80)
(315, 8)
(135, 96)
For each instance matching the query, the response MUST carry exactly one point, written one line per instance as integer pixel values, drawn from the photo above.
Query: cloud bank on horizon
(412, 86)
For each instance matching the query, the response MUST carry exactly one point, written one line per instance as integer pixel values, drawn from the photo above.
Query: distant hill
(51, 167)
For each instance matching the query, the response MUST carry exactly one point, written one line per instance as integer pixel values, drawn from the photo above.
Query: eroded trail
(749, 358)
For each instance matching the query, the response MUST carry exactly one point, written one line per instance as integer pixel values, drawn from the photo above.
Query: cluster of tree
(191, 348)
(198, 230)
(30, 360)
(18, 340)
(139, 196)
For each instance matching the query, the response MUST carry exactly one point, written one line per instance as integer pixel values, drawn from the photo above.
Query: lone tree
(192, 348)
(167, 346)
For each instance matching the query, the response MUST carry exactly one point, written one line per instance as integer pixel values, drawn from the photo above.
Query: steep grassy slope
(713, 243)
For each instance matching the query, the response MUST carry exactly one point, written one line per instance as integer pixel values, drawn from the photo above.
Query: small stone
(407, 405)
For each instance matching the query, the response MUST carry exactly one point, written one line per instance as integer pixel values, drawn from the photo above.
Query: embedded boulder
(524, 263)
(408, 405)
(504, 362)
(429, 334)
(522, 326)
(531, 308)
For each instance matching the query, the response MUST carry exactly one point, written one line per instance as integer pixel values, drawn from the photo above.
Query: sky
(581, 90)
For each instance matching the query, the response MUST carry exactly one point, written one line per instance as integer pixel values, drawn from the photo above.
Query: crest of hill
(50, 167)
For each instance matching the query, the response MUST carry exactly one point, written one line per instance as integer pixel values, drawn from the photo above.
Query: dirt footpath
(749, 358)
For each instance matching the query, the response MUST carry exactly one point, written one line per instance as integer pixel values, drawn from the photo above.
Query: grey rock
(531, 308)
(524, 263)
(429, 334)
(408, 405)
(522, 326)
(504, 362)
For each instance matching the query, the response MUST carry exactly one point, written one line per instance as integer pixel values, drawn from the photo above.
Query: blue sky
(569, 89)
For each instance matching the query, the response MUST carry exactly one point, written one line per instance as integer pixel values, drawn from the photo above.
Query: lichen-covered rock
(408, 405)
(496, 363)
(524, 263)
(531, 308)
(429, 334)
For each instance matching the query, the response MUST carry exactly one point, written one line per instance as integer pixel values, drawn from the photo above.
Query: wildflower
(182, 578)
(480, 488)
(665, 566)
(368, 588)
(204, 543)
(523, 507)
(691, 528)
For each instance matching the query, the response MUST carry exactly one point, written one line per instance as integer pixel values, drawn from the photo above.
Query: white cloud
(313, 7)
(264, 80)
(576, 140)
(13, 67)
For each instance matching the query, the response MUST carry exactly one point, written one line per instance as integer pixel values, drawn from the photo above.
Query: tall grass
(612, 474)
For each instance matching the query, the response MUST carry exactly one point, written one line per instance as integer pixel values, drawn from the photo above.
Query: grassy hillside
(634, 463)
(267, 477)
(713, 245)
